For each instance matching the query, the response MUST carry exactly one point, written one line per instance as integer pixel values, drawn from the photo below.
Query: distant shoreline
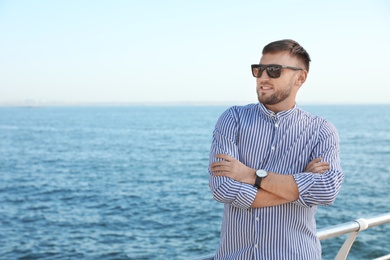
(70, 104)
(33, 104)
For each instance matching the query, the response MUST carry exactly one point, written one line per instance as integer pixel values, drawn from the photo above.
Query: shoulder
(323, 125)
(235, 114)
(244, 108)
(237, 111)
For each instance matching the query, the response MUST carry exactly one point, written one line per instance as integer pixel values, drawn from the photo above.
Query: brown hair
(295, 49)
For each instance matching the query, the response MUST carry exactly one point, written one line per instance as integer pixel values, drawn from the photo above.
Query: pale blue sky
(188, 51)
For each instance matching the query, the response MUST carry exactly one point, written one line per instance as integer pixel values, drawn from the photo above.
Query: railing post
(344, 250)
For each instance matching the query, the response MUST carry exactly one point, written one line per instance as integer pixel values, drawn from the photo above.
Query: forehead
(282, 58)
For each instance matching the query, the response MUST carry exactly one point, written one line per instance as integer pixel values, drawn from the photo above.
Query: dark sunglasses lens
(257, 71)
(274, 71)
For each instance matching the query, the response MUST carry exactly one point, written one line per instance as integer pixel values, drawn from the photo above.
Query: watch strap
(258, 182)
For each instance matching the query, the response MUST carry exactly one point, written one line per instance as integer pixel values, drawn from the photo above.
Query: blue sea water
(132, 182)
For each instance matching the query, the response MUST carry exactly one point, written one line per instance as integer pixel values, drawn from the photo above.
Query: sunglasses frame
(263, 67)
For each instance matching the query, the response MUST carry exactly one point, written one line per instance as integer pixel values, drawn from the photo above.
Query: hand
(316, 166)
(233, 169)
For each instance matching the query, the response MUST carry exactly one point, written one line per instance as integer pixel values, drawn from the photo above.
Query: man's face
(279, 94)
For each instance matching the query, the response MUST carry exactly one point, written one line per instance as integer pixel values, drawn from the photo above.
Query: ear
(301, 77)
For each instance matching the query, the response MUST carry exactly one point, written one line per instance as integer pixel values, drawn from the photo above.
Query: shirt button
(272, 148)
(256, 246)
(257, 218)
(276, 125)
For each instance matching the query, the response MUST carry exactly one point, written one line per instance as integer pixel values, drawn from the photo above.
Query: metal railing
(352, 228)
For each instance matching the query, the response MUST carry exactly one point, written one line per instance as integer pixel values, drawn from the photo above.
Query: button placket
(257, 228)
(276, 125)
(273, 120)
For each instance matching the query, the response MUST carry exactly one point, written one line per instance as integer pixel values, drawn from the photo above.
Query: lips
(265, 87)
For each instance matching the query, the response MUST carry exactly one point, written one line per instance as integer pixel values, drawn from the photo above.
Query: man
(272, 164)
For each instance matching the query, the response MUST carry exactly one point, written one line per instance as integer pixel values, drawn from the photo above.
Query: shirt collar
(280, 114)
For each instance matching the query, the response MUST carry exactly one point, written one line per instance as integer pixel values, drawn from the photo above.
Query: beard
(276, 97)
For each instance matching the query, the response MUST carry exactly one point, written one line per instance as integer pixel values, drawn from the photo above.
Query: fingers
(322, 164)
(316, 160)
(219, 164)
(220, 171)
(321, 168)
(218, 168)
(311, 164)
(317, 166)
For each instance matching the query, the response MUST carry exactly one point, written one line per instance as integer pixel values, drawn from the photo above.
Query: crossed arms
(275, 189)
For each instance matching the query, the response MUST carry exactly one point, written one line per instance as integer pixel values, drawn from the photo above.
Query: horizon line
(33, 103)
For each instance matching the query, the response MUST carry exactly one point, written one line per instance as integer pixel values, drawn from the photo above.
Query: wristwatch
(260, 175)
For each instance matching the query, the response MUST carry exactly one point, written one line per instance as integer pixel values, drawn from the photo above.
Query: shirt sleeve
(322, 189)
(224, 189)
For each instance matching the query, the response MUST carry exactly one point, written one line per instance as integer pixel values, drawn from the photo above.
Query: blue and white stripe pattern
(283, 143)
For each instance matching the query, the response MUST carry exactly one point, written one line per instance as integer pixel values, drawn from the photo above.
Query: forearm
(275, 189)
(283, 186)
(266, 199)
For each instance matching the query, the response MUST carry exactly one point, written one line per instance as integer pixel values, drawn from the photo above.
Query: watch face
(261, 173)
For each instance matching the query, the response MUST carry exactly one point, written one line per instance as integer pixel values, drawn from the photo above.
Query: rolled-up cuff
(304, 182)
(245, 197)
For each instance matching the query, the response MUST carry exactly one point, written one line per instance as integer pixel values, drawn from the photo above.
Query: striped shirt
(283, 143)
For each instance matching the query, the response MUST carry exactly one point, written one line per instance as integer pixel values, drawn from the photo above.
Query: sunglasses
(273, 70)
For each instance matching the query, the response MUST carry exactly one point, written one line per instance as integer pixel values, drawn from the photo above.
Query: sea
(131, 182)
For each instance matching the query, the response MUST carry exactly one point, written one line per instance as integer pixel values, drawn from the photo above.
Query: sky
(188, 51)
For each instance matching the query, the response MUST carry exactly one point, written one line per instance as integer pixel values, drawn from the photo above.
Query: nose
(264, 77)
(263, 80)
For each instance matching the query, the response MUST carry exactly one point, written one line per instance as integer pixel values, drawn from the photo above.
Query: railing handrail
(353, 228)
